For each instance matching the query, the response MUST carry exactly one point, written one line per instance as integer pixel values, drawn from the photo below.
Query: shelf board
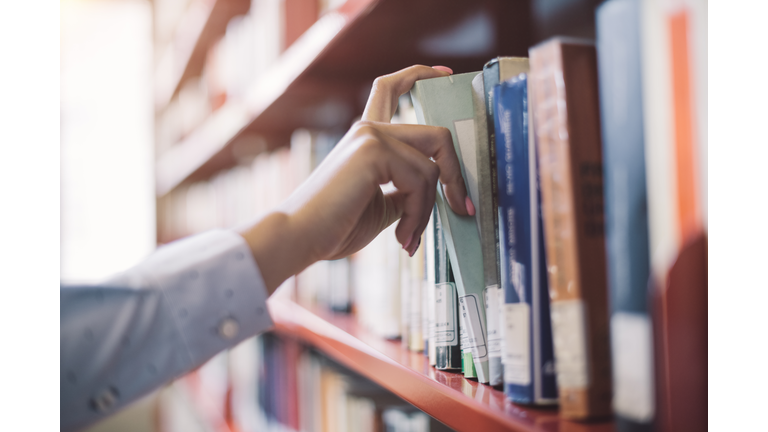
(462, 404)
(323, 79)
(184, 57)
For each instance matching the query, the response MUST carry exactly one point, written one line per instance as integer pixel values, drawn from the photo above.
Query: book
(481, 194)
(431, 273)
(529, 363)
(566, 114)
(679, 311)
(377, 285)
(674, 77)
(299, 16)
(626, 212)
(447, 102)
(444, 331)
(411, 296)
(495, 71)
(427, 316)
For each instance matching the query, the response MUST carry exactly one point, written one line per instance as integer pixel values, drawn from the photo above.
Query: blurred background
(178, 116)
(156, 95)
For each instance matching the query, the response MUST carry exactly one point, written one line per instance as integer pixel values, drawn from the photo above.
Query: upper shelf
(184, 57)
(323, 79)
(460, 403)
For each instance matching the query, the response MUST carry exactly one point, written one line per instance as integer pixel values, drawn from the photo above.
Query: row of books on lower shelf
(582, 278)
(272, 383)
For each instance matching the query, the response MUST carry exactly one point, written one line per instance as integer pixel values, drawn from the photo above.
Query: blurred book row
(250, 45)
(581, 280)
(271, 383)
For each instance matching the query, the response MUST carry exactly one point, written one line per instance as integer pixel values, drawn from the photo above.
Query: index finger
(436, 143)
(386, 90)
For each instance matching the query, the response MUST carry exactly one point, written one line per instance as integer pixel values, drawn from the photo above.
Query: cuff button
(228, 328)
(105, 400)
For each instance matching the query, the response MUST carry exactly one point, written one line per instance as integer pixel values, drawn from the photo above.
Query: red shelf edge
(486, 409)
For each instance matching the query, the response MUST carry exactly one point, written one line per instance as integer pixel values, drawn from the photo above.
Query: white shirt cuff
(214, 289)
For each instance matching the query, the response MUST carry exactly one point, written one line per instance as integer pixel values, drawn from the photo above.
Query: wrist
(279, 249)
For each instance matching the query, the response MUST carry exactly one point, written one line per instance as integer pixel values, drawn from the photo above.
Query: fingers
(415, 178)
(436, 143)
(386, 89)
(415, 214)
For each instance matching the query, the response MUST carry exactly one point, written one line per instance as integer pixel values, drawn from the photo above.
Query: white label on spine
(518, 280)
(631, 343)
(492, 318)
(470, 315)
(517, 343)
(569, 331)
(445, 315)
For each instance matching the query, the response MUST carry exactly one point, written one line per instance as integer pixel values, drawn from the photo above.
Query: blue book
(626, 215)
(527, 348)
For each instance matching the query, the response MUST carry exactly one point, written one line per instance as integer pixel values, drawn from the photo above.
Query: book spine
(567, 127)
(446, 312)
(674, 45)
(490, 79)
(485, 205)
(405, 299)
(425, 291)
(529, 362)
(415, 267)
(626, 214)
(431, 273)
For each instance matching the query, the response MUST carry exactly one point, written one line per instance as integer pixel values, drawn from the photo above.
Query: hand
(341, 207)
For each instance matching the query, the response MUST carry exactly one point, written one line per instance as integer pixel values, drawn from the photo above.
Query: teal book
(447, 102)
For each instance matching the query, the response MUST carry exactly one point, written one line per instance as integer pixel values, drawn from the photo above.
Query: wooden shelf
(462, 404)
(184, 57)
(323, 79)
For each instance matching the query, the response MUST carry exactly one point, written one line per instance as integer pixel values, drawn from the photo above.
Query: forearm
(279, 246)
(187, 302)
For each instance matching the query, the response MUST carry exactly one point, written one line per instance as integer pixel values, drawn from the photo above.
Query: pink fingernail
(416, 248)
(443, 68)
(470, 207)
(408, 242)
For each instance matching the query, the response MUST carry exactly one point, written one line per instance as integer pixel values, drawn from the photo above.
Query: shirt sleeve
(187, 302)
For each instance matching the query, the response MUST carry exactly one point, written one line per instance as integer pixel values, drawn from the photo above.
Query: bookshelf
(460, 403)
(330, 68)
(183, 56)
(322, 82)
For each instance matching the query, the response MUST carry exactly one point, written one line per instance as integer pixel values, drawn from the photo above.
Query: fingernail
(470, 207)
(408, 242)
(443, 68)
(415, 248)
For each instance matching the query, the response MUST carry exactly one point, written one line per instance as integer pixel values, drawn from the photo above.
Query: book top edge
(565, 40)
(495, 60)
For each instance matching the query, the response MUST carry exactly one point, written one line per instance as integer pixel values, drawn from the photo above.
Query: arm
(341, 207)
(201, 295)
(184, 304)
